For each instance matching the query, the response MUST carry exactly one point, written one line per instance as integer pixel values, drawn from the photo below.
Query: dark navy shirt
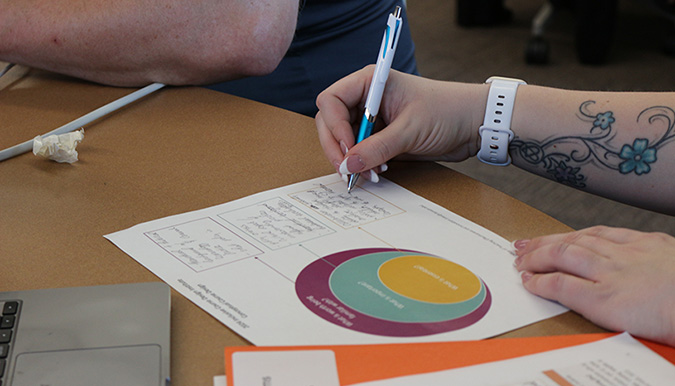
(333, 38)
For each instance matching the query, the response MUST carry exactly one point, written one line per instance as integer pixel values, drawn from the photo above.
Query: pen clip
(384, 61)
(390, 40)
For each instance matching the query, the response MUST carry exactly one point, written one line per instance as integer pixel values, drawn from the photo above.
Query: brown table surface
(178, 150)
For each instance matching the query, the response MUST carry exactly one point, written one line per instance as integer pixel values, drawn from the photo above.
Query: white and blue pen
(382, 67)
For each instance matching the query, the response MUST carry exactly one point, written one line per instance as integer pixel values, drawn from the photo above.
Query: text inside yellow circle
(429, 279)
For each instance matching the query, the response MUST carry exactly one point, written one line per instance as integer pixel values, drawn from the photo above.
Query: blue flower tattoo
(604, 120)
(637, 158)
(564, 158)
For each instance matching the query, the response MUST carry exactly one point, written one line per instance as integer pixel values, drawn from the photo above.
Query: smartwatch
(495, 133)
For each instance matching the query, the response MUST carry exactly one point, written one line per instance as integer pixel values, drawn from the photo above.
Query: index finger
(340, 104)
(610, 234)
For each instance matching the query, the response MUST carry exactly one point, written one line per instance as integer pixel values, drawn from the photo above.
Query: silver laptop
(102, 335)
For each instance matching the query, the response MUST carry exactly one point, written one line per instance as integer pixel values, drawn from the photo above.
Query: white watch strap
(496, 131)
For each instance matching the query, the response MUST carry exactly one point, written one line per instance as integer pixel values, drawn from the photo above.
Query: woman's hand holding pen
(617, 278)
(419, 119)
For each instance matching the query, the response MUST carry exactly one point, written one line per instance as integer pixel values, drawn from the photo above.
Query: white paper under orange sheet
(365, 363)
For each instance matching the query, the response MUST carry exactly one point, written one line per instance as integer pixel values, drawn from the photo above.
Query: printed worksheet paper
(311, 264)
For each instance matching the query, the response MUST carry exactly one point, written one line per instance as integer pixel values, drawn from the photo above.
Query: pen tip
(352, 182)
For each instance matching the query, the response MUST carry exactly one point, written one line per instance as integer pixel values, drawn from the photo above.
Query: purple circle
(313, 290)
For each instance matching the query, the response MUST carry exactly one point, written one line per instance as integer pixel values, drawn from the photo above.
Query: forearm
(617, 145)
(131, 43)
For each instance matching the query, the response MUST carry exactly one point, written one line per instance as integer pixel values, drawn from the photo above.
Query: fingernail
(351, 165)
(520, 244)
(525, 276)
(383, 168)
(517, 261)
(343, 167)
(344, 147)
(374, 178)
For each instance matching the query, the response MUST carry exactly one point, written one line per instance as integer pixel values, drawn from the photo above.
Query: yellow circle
(429, 279)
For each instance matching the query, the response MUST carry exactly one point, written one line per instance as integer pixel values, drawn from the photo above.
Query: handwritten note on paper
(276, 223)
(348, 210)
(202, 244)
(242, 262)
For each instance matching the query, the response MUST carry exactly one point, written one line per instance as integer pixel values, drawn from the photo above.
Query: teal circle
(356, 283)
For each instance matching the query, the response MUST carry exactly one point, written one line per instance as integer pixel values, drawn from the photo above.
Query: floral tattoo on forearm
(564, 157)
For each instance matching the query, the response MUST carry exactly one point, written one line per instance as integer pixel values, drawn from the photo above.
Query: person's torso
(332, 40)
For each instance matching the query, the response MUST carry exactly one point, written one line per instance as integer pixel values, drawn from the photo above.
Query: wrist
(477, 115)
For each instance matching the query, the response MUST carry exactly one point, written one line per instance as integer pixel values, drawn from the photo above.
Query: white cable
(83, 120)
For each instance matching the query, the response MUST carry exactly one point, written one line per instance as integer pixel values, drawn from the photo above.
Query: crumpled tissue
(59, 148)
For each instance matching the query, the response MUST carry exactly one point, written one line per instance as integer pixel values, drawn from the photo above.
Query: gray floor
(448, 52)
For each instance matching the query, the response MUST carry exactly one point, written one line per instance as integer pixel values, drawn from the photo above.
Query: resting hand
(422, 119)
(620, 279)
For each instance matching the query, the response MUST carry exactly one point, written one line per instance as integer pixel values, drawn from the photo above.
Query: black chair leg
(537, 49)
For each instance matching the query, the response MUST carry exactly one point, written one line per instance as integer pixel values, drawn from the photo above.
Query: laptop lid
(101, 335)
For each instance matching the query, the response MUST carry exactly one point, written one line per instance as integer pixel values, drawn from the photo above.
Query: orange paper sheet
(362, 363)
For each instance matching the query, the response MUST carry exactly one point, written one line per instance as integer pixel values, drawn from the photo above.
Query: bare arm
(132, 43)
(620, 145)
